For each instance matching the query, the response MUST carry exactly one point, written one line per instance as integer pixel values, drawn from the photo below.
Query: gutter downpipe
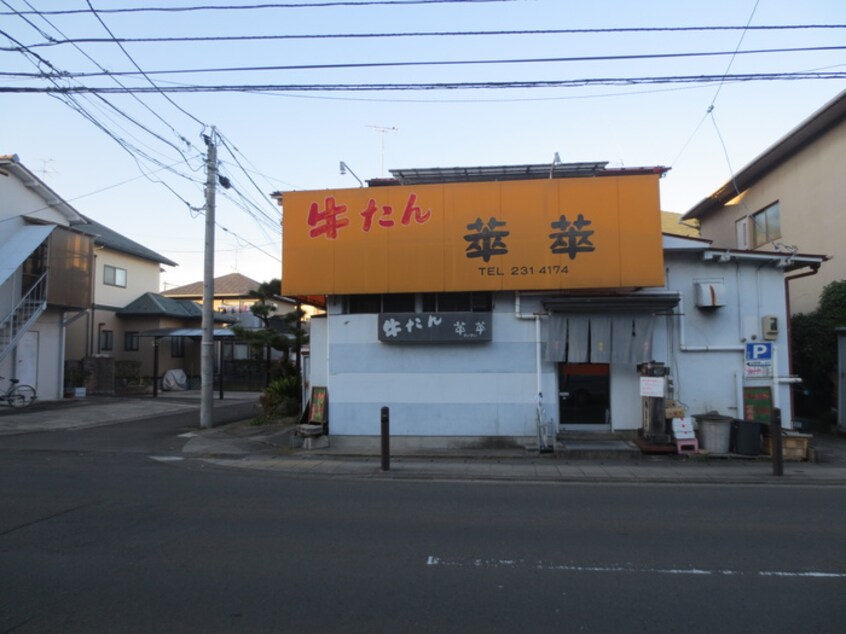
(787, 279)
(536, 316)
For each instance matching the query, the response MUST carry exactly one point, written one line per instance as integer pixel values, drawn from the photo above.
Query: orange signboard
(572, 233)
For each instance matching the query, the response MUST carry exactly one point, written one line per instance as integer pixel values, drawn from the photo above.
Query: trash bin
(748, 438)
(714, 432)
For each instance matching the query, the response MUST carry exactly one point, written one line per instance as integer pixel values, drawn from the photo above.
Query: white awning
(19, 246)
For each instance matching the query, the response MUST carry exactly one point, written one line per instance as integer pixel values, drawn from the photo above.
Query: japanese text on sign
(434, 327)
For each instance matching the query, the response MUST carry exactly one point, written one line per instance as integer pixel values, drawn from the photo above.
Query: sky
(136, 161)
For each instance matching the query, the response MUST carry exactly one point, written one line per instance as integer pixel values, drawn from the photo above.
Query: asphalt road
(98, 535)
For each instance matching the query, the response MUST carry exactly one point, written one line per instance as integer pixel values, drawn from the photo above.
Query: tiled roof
(153, 304)
(232, 285)
(111, 239)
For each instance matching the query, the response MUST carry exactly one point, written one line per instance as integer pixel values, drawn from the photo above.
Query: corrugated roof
(232, 285)
(111, 239)
(535, 171)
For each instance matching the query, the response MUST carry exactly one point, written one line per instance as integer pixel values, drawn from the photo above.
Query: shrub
(281, 398)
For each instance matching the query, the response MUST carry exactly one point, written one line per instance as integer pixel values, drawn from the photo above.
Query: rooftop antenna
(45, 169)
(382, 130)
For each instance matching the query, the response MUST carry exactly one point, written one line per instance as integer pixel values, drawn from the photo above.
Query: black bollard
(386, 439)
(776, 444)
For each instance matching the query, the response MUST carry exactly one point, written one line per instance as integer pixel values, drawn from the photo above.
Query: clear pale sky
(289, 140)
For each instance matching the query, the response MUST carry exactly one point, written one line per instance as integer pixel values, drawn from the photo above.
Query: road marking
(190, 434)
(167, 458)
(547, 566)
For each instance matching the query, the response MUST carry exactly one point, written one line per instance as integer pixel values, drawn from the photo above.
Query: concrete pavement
(261, 448)
(236, 443)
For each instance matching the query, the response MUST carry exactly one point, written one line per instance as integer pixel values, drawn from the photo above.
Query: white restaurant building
(458, 296)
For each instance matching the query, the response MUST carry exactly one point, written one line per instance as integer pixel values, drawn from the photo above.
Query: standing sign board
(759, 360)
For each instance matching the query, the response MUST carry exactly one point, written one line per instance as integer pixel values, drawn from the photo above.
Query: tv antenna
(382, 130)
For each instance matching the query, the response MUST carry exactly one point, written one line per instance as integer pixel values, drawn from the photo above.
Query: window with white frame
(741, 230)
(114, 276)
(766, 226)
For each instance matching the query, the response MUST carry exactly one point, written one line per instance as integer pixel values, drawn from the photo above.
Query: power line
(275, 5)
(466, 85)
(64, 74)
(737, 48)
(318, 36)
(536, 60)
(134, 63)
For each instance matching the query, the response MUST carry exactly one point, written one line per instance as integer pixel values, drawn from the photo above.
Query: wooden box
(794, 446)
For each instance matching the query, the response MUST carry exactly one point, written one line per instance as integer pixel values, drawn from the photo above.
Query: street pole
(207, 346)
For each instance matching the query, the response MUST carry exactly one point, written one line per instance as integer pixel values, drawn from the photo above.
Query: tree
(814, 347)
(284, 333)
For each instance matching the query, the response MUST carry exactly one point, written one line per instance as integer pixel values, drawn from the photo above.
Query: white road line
(546, 566)
(167, 458)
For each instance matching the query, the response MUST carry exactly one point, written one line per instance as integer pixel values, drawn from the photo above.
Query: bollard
(775, 438)
(386, 439)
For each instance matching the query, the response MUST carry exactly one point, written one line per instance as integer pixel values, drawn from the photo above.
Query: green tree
(285, 333)
(814, 349)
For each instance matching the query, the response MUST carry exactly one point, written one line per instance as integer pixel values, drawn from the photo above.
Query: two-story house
(123, 271)
(788, 199)
(45, 277)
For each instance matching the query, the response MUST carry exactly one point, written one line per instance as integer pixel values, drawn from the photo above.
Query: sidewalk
(236, 443)
(246, 446)
(95, 411)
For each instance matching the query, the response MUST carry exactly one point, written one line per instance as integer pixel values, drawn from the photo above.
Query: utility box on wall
(710, 294)
(769, 327)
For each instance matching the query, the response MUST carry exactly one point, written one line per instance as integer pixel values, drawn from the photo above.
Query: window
(131, 341)
(740, 229)
(113, 276)
(398, 303)
(361, 304)
(177, 347)
(766, 226)
(107, 340)
(478, 302)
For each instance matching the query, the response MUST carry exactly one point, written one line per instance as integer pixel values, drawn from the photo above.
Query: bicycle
(17, 394)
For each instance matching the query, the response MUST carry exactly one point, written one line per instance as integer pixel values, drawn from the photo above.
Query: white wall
(490, 389)
(18, 200)
(705, 348)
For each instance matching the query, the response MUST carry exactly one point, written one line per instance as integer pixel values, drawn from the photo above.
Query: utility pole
(207, 347)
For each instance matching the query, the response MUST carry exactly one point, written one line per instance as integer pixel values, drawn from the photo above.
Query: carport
(219, 334)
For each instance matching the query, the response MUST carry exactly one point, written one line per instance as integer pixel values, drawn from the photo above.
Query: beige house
(123, 271)
(232, 295)
(789, 200)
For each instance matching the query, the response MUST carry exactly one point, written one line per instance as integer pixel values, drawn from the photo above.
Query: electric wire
(133, 150)
(134, 63)
(459, 85)
(535, 60)
(413, 34)
(65, 74)
(225, 144)
(274, 5)
(739, 43)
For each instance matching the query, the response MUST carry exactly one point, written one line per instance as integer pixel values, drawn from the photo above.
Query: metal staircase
(21, 318)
